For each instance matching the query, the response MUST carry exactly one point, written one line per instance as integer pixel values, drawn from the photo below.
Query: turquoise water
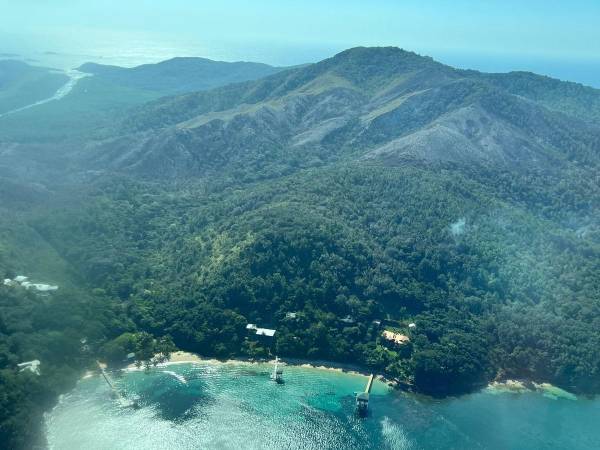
(236, 406)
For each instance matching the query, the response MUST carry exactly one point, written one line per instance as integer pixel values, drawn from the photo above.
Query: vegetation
(371, 243)
(243, 205)
(22, 84)
(65, 330)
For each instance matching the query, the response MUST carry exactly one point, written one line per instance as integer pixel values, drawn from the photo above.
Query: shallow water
(236, 406)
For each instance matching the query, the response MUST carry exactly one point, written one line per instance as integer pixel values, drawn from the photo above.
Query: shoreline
(182, 357)
(511, 386)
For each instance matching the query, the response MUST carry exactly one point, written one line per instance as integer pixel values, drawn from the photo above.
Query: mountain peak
(382, 57)
(361, 64)
(378, 52)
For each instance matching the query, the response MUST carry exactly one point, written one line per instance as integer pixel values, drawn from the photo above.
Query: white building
(44, 287)
(24, 282)
(32, 366)
(265, 332)
(260, 331)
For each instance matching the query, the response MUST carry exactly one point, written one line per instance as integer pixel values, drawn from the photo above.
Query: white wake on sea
(177, 376)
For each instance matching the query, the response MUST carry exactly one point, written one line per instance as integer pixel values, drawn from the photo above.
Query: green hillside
(370, 191)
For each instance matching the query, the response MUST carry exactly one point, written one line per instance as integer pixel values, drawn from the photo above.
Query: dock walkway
(362, 399)
(369, 384)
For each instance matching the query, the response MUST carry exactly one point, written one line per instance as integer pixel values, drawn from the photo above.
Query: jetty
(115, 392)
(362, 398)
(277, 374)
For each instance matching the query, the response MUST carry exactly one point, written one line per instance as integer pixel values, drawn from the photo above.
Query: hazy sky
(485, 34)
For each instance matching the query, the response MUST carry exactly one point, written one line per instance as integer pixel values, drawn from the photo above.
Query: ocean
(147, 49)
(237, 406)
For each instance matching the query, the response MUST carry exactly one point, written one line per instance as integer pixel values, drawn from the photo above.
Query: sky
(559, 38)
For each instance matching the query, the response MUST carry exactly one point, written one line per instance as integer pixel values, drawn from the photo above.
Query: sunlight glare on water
(233, 406)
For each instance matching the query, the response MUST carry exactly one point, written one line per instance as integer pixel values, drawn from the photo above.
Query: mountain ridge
(181, 74)
(356, 102)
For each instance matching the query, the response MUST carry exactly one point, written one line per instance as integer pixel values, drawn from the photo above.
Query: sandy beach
(181, 357)
(509, 385)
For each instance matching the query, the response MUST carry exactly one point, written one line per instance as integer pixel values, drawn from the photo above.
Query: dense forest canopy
(371, 191)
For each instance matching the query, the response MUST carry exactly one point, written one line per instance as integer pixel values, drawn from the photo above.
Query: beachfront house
(396, 338)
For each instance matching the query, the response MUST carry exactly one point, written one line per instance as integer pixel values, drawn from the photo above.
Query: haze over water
(147, 50)
(559, 39)
(232, 406)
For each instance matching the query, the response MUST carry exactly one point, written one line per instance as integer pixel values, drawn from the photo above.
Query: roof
(363, 396)
(261, 331)
(265, 332)
(44, 287)
(24, 282)
(398, 338)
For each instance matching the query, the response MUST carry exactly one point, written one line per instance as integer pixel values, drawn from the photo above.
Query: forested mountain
(375, 186)
(384, 105)
(180, 75)
(106, 94)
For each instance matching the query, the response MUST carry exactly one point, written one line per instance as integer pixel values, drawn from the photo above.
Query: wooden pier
(362, 398)
(115, 392)
(277, 375)
(369, 384)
